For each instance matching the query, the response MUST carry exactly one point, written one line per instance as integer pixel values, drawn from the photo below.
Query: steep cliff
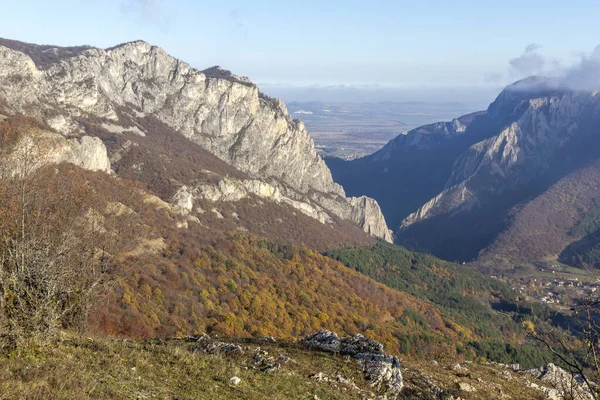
(520, 153)
(547, 134)
(452, 188)
(412, 168)
(223, 113)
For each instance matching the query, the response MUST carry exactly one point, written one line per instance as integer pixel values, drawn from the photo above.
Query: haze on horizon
(435, 50)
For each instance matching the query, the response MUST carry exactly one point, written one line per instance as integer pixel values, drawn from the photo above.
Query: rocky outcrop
(88, 153)
(564, 384)
(231, 189)
(383, 371)
(38, 148)
(363, 211)
(223, 113)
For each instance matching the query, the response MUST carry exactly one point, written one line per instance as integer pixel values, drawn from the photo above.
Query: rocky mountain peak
(538, 129)
(220, 73)
(138, 43)
(223, 113)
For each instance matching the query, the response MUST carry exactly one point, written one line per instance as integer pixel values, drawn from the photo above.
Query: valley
(501, 188)
(354, 130)
(170, 232)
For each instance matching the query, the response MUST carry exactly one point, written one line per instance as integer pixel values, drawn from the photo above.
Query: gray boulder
(383, 371)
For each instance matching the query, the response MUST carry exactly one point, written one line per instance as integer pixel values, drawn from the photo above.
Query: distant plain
(352, 130)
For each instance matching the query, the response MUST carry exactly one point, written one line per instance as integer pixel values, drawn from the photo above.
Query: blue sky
(395, 43)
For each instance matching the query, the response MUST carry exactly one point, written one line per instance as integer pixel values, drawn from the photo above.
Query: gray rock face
(563, 382)
(518, 154)
(383, 371)
(424, 137)
(223, 113)
(218, 348)
(366, 213)
(39, 148)
(231, 189)
(323, 341)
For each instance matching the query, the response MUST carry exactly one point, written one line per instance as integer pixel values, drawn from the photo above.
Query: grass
(75, 367)
(81, 368)
(487, 379)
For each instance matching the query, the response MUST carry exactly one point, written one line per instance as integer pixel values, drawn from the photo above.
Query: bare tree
(58, 239)
(584, 366)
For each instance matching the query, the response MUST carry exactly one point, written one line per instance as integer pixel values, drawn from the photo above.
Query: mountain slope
(179, 273)
(552, 135)
(224, 114)
(532, 136)
(412, 168)
(545, 227)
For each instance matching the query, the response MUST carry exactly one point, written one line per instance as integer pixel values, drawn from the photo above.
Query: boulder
(218, 348)
(383, 371)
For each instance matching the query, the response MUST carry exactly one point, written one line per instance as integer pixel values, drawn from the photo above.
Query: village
(559, 290)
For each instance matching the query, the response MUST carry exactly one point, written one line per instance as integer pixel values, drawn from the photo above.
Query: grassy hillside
(74, 367)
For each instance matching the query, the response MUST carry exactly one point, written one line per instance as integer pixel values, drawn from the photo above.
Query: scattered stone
(218, 348)
(466, 387)
(269, 339)
(270, 367)
(563, 382)
(506, 375)
(319, 377)
(514, 367)
(459, 370)
(259, 354)
(285, 359)
(235, 380)
(198, 338)
(434, 363)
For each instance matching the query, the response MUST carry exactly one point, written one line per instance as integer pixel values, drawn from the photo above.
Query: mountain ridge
(228, 116)
(536, 132)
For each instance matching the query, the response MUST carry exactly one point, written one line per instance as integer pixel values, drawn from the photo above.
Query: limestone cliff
(223, 113)
(523, 151)
(38, 148)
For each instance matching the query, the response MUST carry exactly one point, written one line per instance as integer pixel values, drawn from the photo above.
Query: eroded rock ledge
(362, 211)
(383, 371)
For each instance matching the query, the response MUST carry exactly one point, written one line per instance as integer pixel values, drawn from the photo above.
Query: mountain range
(222, 113)
(225, 222)
(502, 186)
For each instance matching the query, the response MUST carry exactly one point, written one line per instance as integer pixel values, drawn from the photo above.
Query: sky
(400, 43)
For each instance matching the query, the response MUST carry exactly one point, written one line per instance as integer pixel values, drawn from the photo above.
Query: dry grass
(75, 367)
(81, 368)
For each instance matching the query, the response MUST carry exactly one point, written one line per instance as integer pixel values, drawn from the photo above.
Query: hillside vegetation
(174, 275)
(486, 307)
(550, 225)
